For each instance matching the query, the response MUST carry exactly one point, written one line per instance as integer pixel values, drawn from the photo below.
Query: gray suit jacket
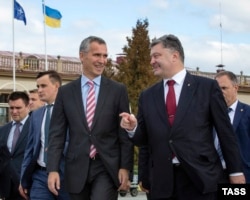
(112, 142)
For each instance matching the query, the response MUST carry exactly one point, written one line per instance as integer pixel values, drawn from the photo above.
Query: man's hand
(54, 182)
(23, 192)
(142, 188)
(124, 180)
(237, 179)
(128, 121)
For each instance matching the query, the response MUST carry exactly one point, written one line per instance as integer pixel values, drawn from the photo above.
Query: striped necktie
(90, 112)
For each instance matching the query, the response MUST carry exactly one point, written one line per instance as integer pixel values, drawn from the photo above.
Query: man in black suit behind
(184, 163)
(101, 174)
(12, 145)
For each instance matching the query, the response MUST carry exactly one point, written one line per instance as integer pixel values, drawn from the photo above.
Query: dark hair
(84, 47)
(33, 91)
(53, 75)
(170, 42)
(230, 75)
(19, 95)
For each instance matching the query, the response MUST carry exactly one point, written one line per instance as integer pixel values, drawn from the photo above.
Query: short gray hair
(84, 47)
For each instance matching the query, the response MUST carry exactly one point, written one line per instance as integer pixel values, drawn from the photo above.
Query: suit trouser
(14, 193)
(39, 189)
(184, 188)
(99, 185)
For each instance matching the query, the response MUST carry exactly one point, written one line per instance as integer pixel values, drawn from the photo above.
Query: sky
(195, 22)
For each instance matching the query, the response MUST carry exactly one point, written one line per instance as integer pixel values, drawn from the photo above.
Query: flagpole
(45, 42)
(13, 49)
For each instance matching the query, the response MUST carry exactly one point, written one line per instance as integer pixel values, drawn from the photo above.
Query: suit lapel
(6, 133)
(187, 92)
(159, 101)
(77, 97)
(37, 129)
(238, 114)
(23, 134)
(103, 93)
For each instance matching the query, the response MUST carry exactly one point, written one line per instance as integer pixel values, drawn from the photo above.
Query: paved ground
(140, 196)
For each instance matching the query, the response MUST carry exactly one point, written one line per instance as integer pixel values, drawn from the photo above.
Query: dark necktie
(46, 130)
(15, 136)
(171, 102)
(90, 112)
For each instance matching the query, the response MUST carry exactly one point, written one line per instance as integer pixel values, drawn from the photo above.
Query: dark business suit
(241, 125)
(29, 166)
(11, 162)
(112, 143)
(201, 106)
(143, 168)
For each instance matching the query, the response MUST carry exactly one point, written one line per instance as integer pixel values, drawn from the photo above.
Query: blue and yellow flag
(52, 17)
(19, 12)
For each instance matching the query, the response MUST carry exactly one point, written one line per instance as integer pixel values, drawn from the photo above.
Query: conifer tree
(135, 70)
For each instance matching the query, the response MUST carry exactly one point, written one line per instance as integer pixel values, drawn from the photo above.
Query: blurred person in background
(34, 176)
(34, 100)
(239, 115)
(13, 139)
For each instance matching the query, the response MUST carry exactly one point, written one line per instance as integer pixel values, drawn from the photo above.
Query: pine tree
(135, 70)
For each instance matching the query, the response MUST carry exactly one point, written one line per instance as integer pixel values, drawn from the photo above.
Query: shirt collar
(234, 105)
(96, 80)
(178, 78)
(22, 121)
(49, 104)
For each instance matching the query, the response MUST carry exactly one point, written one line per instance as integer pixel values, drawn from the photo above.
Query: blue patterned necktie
(46, 131)
(16, 135)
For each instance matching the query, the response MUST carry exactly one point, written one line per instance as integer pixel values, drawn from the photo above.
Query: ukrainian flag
(52, 17)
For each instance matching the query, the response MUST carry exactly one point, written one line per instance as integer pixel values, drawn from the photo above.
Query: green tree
(135, 70)
(110, 69)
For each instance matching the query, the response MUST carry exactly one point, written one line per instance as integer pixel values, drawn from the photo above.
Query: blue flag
(19, 12)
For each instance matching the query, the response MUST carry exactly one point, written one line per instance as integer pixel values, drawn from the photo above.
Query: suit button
(170, 141)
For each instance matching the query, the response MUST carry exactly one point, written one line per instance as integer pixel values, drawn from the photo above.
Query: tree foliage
(135, 70)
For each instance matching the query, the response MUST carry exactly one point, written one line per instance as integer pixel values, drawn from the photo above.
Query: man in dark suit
(184, 162)
(13, 139)
(33, 174)
(91, 173)
(239, 116)
(143, 170)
